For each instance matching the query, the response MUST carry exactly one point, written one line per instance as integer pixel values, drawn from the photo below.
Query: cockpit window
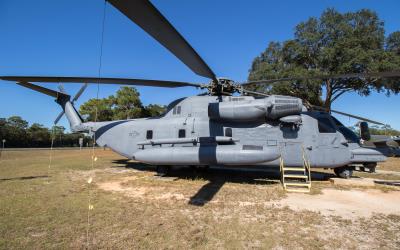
(349, 134)
(337, 122)
(325, 125)
(346, 132)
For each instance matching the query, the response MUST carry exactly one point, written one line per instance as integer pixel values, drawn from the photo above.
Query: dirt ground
(118, 203)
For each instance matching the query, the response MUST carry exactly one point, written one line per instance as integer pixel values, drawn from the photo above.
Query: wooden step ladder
(296, 179)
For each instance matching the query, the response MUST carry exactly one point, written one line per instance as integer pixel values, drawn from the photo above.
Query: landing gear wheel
(344, 172)
(371, 167)
(163, 170)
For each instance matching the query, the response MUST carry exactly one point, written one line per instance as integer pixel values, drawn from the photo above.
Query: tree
(38, 135)
(15, 129)
(97, 109)
(127, 104)
(18, 133)
(384, 130)
(154, 110)
(57, 132)
(393, 42)
(333, 44)
(3, 128)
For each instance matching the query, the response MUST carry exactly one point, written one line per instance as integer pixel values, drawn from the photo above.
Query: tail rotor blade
(58, 117)
(80, 92)
(76, 97)
(61, 88)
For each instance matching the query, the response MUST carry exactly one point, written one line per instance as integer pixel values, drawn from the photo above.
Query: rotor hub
(223, 86)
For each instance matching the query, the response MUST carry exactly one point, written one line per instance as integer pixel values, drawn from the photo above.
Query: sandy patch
(156, 193)
(350, 204)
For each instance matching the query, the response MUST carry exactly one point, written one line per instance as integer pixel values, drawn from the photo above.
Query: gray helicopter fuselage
(211, 130)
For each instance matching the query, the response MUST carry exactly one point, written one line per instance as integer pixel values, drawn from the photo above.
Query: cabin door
(292, 153)
(328, 151)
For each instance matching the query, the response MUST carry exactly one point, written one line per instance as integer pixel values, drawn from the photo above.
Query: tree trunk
(328, 98)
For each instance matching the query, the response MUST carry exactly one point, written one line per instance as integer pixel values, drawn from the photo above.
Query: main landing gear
(369, 167)
(347, 171)
(344, 172)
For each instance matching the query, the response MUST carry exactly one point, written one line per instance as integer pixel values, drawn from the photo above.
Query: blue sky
(62, 38)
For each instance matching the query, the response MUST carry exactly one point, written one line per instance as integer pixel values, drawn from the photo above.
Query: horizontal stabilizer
(43, 90)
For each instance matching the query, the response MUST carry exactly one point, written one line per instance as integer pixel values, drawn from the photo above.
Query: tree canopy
(334, 43)
(17, 133)
(378, 130)
(126, 104)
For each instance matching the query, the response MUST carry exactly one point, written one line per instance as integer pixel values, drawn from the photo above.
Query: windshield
(346, 132)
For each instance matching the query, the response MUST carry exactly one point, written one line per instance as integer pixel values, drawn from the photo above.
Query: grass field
(42, 207)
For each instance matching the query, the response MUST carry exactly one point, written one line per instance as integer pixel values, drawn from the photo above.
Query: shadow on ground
(218, 176)
(24, 178)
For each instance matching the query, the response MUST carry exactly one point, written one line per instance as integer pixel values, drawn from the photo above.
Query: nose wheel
(344, 172)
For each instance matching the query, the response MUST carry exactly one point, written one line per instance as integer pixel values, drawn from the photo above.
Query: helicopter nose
(366, 155)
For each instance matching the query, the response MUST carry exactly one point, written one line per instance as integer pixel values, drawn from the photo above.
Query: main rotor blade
(253, 92)
(145, 15)
(347, 114)
(357, 117)
(388, 74)
(122, 81)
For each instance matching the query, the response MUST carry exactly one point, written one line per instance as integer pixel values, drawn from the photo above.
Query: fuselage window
(176, 110)
(228, 132)
(149, 134)
(325, 125)
(182, 133)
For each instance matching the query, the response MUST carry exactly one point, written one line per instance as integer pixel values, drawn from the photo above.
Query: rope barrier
(2, 148)
(51, 153)
(51, 148)
(94, 157)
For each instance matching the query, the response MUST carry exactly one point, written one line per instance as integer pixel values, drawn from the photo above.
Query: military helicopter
(216, 127)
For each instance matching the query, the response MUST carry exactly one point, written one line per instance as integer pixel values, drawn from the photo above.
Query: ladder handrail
(282, 169)
(306, 164)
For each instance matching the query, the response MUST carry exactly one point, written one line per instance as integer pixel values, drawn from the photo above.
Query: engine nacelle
(271, 107)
